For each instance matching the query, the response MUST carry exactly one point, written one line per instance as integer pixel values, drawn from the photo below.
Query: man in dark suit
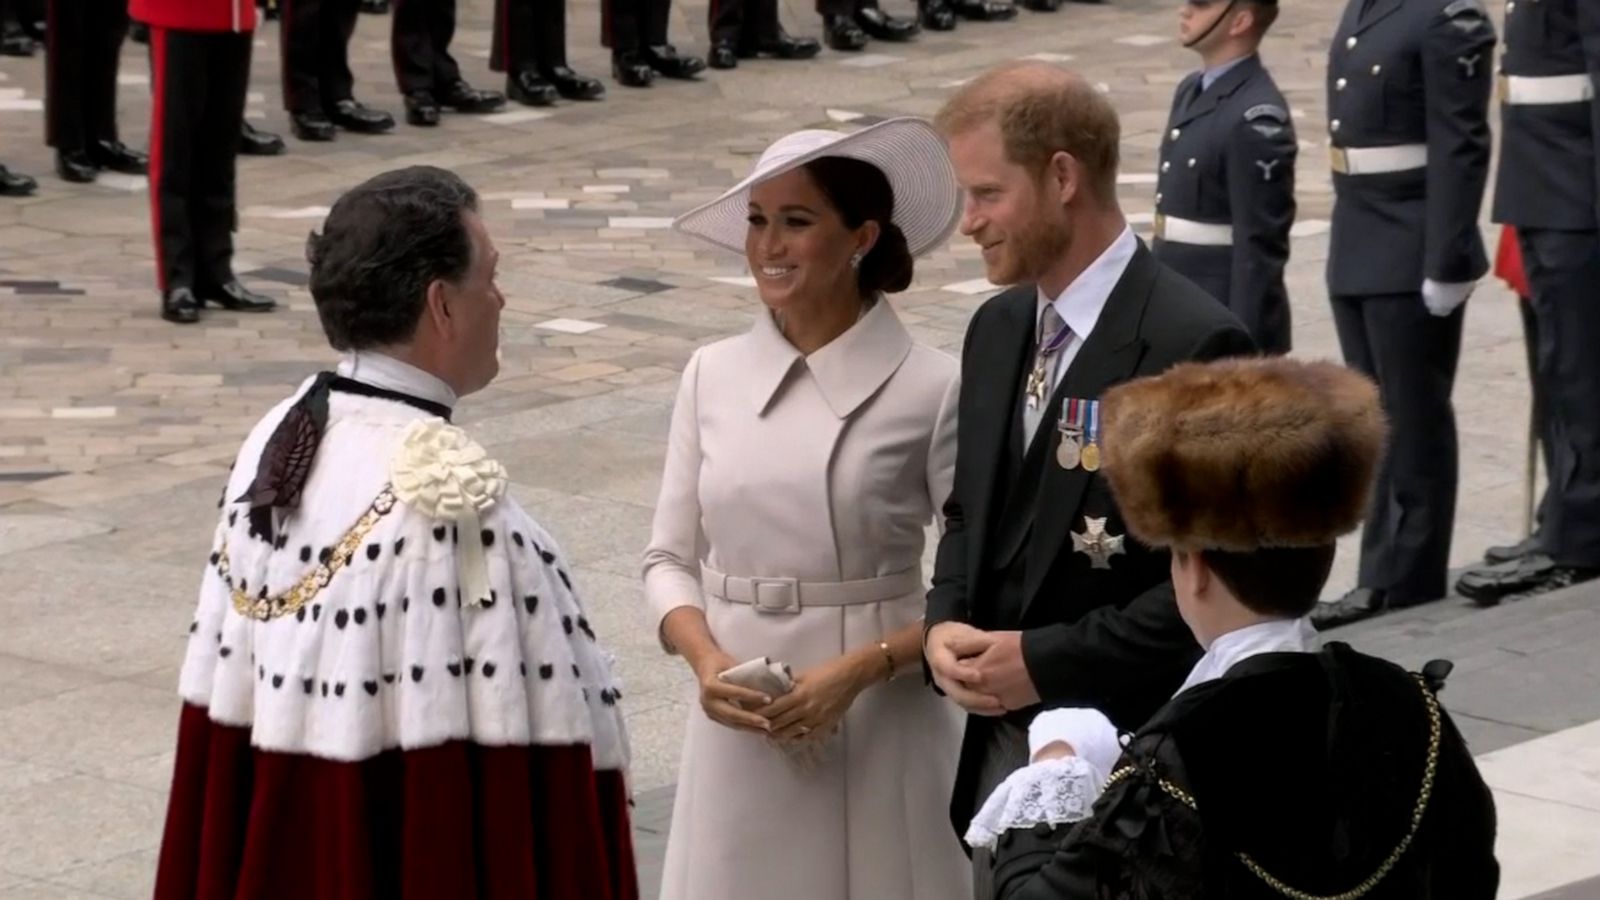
(83, 46)
(1408, 113)
(1549, 188)
(1225, 186)
(1039, 597)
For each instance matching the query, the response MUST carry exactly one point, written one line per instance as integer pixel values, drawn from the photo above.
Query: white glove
(1442, 298)
(1091, 734)
(1053, 792)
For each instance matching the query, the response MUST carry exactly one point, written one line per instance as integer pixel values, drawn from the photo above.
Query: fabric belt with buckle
(1525, 90)
(1376, 160)
(1187, 231)
(790, 595)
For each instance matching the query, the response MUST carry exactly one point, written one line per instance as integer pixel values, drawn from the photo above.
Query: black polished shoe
(1512, 552)
(14, 185)
(630, 70)
(884, 27)
(571, 85)
(14, 41)
(464, 98)
(421, 109)
(985, 10)
(312, 127)
(666, 60)
(938, 16)
(782, 46)
(180, 306)
(237, 297)
(1529, 576)
(529, 89)
(351, 115)
(259, 143)
(1361, 603)
(723, 55)
(375, 7)
(118, 157)
(76, 166)
(843, 34)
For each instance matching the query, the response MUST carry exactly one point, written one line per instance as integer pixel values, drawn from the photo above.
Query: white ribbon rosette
(447, 476)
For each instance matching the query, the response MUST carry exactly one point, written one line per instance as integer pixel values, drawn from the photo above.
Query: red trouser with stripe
(198, 84)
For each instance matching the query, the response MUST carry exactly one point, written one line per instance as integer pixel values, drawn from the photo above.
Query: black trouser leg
(548, 20)
(442, 25)
(1541, 402)
(622, 24)
(179, 92)
(1564, 272)
(298, 29)
(411, 45)
(103, 37)
(725, 20)
(213, 207)
(657, 14)
(1412, 355)
(334, 30)
(63, 75)
(843, 8)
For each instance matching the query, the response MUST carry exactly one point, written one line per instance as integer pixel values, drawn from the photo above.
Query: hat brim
(909, 152)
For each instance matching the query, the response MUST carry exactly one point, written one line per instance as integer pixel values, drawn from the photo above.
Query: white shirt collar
(1085, 298)
(386, 372)
(1276, 636)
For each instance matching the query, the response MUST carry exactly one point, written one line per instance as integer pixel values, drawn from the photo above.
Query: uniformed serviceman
(1408, 103)
(200, 73)
(83, 43)
(1225, 191)
(745, 29)
(429, 79)
(318, 87)
(636, 33)
(1548, 186)
(530, 46)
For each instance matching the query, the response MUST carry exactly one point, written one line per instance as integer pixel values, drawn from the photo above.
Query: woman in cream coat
(806, 458)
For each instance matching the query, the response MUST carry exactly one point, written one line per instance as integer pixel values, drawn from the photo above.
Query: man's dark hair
(384, 242)
(1275, 581)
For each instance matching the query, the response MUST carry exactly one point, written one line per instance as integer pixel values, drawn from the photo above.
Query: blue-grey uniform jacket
(1409, 74)
(1227, 160)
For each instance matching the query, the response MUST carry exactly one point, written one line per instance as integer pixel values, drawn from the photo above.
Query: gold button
(1175, 133)
(1350, 42)
(1191, 162)
(1377, 70)
(1334, 125)
(1339, 85)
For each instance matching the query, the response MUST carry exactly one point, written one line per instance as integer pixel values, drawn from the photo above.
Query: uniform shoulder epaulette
(1457, 7)
(1266, 111)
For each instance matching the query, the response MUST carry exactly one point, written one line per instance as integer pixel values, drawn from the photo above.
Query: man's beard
(1038, 248)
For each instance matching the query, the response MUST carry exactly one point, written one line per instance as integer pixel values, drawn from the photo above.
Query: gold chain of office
(1428, 774)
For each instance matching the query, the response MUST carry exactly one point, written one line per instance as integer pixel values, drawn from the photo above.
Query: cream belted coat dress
(822, 469)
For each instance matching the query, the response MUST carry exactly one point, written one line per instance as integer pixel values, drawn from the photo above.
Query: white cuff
(1442, 298)
(1091, 734)
(1053, 792)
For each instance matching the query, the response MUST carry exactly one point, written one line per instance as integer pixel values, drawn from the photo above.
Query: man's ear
(437, 307)
(1064, 176)
(1201, 574)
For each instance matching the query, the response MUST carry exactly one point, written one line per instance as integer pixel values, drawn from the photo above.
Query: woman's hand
(728, 704)
(821, 697)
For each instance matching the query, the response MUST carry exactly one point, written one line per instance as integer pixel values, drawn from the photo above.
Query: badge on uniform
(1080, 435)
(1096, 543)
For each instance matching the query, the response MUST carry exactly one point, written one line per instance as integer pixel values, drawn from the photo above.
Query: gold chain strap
(310, 584)
(1434, 730)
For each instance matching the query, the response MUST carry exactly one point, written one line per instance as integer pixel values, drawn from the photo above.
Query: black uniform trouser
(1564, 274)
(198, 85)
(84, 42)
(742, 20)
(529, 35)
(1412, 355)
(314, 39)
(420, 45)
(631, 25)
(1541, 402)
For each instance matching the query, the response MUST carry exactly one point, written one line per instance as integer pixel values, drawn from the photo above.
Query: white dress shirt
(1084, 299)
(391, 374)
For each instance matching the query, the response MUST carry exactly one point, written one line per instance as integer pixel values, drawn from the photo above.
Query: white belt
(790, 595)
(1186, 231)
(1374, 160)
(1523, 90)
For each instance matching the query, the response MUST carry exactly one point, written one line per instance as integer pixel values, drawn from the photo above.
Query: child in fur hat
(1280, 768)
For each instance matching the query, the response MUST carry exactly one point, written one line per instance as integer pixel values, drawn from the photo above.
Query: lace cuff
(1053, 792)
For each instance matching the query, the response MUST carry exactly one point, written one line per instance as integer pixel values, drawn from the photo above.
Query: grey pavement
(117, 428)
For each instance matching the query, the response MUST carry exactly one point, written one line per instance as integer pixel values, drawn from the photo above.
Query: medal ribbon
(1093, 413)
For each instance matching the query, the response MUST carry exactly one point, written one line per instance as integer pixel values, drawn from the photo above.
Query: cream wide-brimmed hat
(927, 201)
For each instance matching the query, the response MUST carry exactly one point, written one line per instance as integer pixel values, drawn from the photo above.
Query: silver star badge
(1095, 543)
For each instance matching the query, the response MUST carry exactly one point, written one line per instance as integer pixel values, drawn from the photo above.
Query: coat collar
(1225, 85)
(847, 371)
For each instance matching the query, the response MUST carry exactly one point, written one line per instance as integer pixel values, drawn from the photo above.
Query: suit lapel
(1109, 357)
(1011, 351)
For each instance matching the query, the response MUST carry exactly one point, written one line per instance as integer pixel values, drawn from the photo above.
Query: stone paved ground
(115, 428)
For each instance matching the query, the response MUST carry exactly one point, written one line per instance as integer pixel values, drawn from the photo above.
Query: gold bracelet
(888, 657)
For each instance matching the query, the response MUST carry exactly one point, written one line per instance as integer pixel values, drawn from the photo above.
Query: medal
(1095, 543)
(1091, 451)
(1039, 379)
(1069, 451)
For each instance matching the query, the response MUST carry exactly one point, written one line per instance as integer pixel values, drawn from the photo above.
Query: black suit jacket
(1107, 638)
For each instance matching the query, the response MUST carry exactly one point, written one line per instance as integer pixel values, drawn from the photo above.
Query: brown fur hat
(1242, 454)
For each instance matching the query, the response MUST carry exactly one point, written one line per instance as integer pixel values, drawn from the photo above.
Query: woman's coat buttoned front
(821, 468)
